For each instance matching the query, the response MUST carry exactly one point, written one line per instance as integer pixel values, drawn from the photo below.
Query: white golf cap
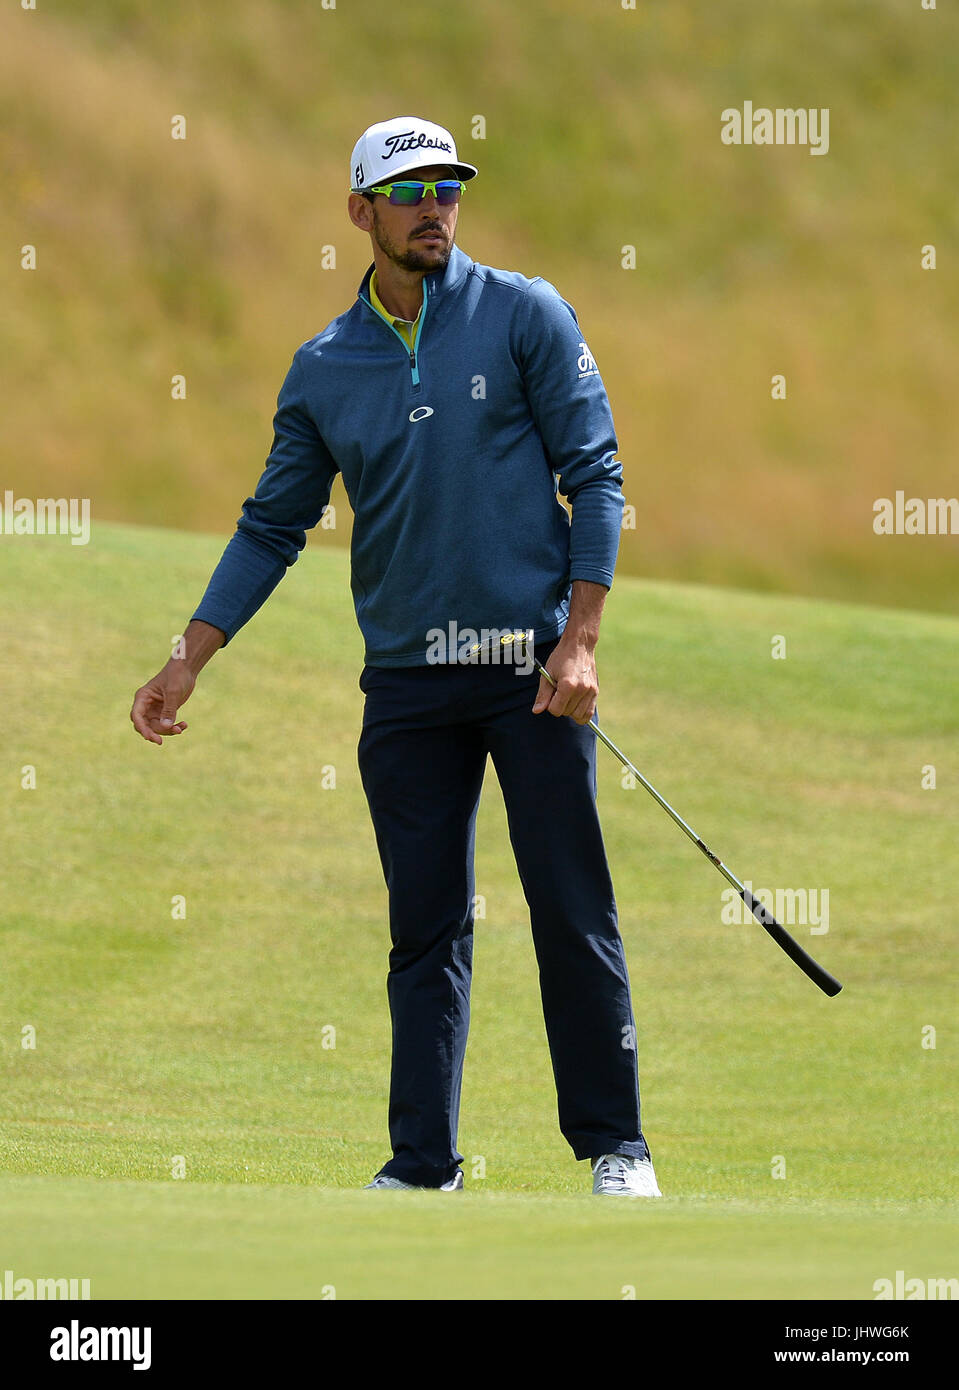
(397, 146)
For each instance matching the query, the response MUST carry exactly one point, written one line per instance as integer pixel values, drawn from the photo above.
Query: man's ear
(361, 212)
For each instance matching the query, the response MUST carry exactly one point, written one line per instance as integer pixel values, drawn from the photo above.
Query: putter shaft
(826, 982)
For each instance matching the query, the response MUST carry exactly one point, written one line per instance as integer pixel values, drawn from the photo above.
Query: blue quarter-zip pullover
(452, 454)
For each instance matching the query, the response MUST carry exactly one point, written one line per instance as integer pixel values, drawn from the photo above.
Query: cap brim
(464, 171)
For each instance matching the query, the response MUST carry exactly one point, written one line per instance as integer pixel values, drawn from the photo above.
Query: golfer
(456, 401)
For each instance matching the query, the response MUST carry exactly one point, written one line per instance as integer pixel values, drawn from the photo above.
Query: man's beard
(411, 259)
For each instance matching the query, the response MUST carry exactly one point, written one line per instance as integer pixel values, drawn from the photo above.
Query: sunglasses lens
(406, 195)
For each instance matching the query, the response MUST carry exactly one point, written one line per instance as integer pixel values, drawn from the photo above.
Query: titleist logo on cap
(409, 140)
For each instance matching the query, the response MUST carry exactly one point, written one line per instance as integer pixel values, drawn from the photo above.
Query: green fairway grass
(197, 1241)
(201, 1046)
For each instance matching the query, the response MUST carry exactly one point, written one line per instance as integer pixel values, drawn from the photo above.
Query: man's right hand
(155, 704)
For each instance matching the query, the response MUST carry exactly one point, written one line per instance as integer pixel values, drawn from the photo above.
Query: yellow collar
(380, 308)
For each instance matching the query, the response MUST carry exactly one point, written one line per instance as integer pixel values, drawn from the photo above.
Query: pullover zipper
(411, 351)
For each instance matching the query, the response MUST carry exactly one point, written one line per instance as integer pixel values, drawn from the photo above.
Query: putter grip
(826, 982)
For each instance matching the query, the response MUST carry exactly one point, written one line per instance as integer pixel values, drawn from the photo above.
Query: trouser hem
(594, 1148)
(419, 1177)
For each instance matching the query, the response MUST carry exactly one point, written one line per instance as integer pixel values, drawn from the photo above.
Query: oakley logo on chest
(422, 412)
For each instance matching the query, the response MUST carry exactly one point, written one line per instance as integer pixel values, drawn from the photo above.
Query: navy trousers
(427, 731)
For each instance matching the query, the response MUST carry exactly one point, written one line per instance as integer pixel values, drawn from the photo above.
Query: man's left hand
(573, 667)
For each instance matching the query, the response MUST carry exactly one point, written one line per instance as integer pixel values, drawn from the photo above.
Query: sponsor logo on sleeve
(586, 362)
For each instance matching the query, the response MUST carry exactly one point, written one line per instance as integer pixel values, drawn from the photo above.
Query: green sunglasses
(408, 194)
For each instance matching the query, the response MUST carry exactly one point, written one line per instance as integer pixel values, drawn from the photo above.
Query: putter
(826, 982)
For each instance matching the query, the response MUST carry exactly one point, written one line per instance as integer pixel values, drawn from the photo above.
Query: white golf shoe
(455, 1184)
(618, 1175)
